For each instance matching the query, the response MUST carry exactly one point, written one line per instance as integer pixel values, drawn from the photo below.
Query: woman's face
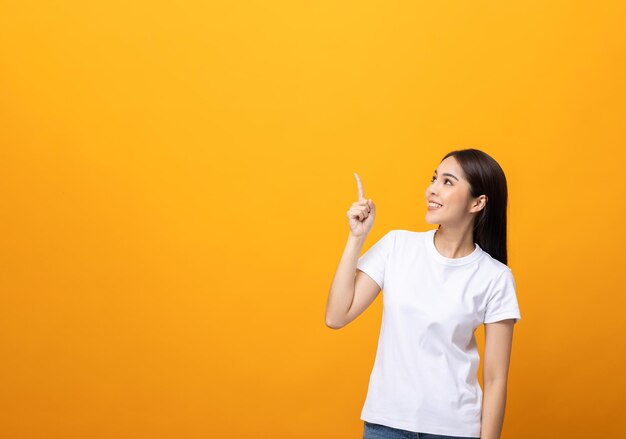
(449, 188)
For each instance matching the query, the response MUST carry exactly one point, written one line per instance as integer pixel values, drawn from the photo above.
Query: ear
(480, 203)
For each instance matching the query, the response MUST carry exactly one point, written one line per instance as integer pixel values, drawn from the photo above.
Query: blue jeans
(378, 431)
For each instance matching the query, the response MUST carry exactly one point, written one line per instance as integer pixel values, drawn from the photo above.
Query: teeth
(433, 204)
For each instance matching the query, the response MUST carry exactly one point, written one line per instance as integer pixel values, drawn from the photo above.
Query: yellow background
(174, 183)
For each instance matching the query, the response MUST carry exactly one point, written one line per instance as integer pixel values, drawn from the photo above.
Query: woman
(440, 285)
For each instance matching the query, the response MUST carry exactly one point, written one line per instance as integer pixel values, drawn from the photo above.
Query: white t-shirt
(424, 377)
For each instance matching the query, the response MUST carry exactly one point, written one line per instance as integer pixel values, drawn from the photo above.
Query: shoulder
(493, 268)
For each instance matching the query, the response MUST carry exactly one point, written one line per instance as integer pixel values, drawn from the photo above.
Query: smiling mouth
(434, 205)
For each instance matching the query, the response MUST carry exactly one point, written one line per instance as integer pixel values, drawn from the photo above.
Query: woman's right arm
(352, 291)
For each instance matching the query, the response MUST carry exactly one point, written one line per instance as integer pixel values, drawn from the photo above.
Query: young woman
(440, 285)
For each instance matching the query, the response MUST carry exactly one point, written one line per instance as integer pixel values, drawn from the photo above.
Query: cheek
(455, 201)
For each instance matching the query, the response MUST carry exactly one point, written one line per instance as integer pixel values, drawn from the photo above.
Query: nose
(430, 191)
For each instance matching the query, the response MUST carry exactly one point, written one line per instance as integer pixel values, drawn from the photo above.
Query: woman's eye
(446, 180)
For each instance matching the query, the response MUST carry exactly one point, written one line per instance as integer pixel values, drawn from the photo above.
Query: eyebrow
(449, 175)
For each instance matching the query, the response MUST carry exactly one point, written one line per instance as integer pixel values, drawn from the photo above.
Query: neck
(453, 243)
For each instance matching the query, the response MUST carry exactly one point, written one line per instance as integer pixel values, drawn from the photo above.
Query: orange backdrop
(175, 178)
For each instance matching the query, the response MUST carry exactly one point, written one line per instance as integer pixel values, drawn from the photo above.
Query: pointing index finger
(359, 187)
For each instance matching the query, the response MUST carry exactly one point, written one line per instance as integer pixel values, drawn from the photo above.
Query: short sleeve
(374, 260)
(502, 303)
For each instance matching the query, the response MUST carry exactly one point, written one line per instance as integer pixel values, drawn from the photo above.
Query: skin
(454, 239)
(352, 291)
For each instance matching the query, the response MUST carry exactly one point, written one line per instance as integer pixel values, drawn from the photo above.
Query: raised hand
(362, 212)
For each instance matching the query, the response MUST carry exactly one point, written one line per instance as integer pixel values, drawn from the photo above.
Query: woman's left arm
(498, 341)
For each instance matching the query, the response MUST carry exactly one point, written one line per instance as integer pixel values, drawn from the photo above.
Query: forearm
(494, 403)
(341, 292)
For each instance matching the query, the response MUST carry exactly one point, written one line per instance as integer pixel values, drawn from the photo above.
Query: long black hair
(486, 177)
